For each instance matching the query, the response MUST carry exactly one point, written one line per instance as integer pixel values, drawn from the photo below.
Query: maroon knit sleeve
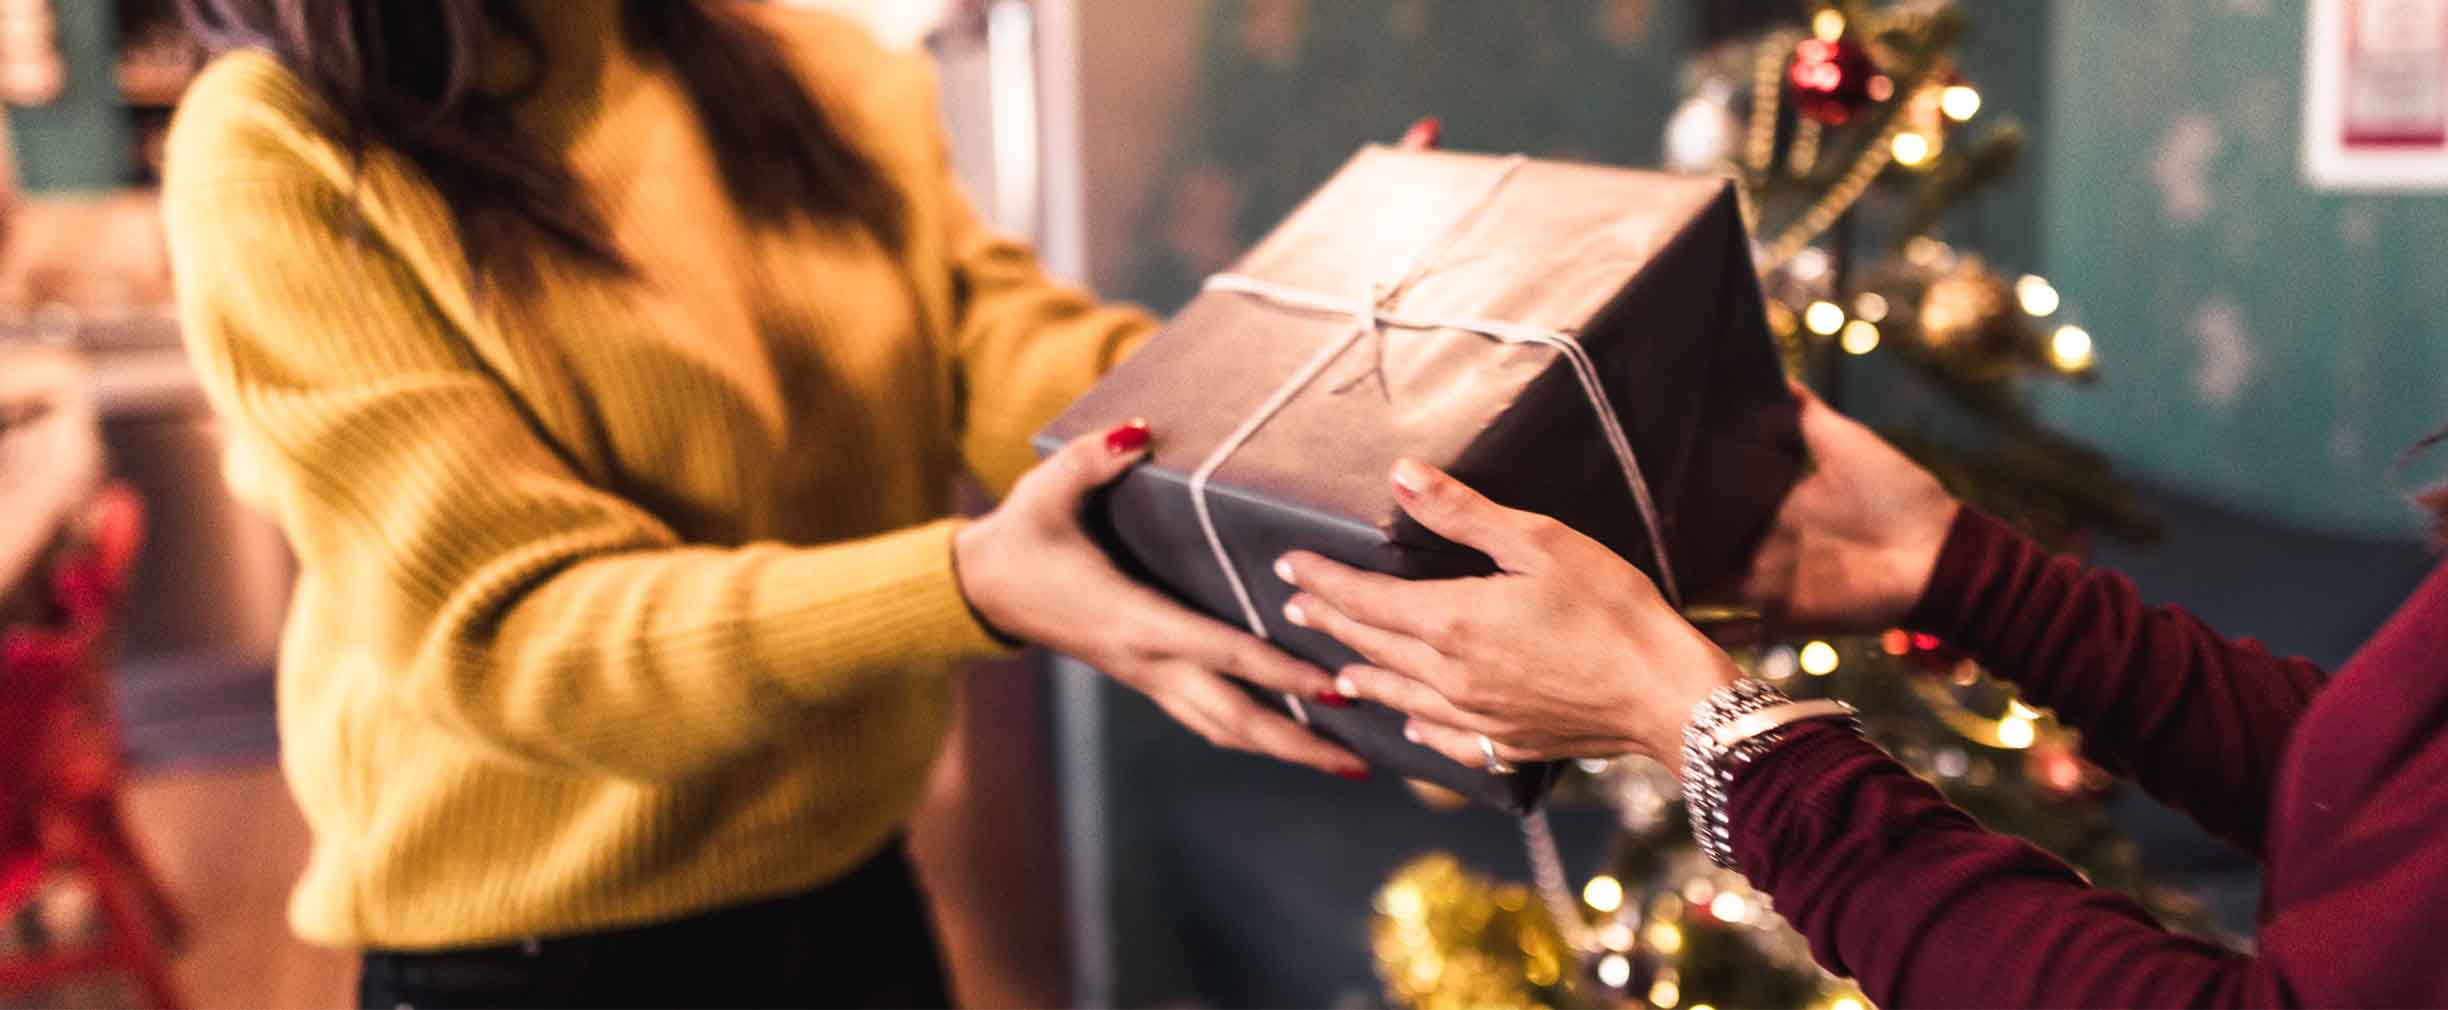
(2198, 720)
(1923, 908)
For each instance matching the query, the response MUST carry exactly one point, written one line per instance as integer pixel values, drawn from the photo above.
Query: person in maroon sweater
(2339, 783)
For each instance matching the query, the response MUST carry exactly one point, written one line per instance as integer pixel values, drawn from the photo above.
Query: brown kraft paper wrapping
(1650, 272)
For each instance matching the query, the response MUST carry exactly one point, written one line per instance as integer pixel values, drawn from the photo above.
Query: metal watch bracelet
(1730, 728)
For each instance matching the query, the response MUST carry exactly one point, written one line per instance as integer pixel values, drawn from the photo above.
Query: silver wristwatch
(1730, 728)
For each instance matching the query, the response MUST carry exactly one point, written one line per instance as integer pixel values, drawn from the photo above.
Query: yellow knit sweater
(630, 598)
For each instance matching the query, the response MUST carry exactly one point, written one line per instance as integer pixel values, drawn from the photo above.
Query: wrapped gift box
(1566, 338)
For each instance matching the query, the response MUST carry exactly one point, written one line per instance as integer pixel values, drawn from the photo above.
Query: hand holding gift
(1032, 574)
(1567, 650)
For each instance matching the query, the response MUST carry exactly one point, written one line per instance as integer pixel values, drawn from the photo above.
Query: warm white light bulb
(1828, 24)
(1665, 993)
(1818, 659)
(1823, 318)
(1664, 937)
(1959, 102)
(1859, 337)
(1871, 305)
(1603, 893)
(2038, 296)
(2015, 733)
(1911, 149)
(2070, 348)
(1614, 970)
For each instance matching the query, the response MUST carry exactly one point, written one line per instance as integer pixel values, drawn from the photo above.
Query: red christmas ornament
(1834, 80)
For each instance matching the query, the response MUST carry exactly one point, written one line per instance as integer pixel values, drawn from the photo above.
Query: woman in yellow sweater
(612, 362)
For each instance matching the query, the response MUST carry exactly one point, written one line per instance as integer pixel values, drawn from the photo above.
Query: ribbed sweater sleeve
(2200, 721)
(1027, 344)
(505, 597)
(1913, 899)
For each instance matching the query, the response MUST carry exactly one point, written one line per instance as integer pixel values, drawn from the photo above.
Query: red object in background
(1832, 80)
(60, 772)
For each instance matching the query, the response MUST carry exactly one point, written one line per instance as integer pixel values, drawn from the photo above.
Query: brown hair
(405, 75)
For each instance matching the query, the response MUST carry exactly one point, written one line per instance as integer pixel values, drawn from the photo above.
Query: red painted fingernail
(1424, 133)
(1129, 436)
(1336, 699)
(1354, 774)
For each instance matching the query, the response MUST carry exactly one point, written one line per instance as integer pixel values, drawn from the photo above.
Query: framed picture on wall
(2376, 94)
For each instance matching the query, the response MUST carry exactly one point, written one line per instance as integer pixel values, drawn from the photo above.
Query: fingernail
(1412, 733)
(1423, 133)
(1129, 436)
(1345, 686)
(1354, 774)
(1283, 570)
(1410, 477)
(1334, 699)
(1294, 614)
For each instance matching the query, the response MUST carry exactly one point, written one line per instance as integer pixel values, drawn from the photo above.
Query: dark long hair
(407, 75)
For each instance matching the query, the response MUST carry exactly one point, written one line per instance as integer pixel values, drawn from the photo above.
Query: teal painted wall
(79, 142)
(1287, 90)
(2267, 346)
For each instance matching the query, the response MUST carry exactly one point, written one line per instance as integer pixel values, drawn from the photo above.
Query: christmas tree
(1853, 136)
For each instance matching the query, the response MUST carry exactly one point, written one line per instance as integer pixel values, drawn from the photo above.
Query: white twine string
(1370, 318)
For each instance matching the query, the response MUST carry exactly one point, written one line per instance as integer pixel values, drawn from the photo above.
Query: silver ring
(1495, 765)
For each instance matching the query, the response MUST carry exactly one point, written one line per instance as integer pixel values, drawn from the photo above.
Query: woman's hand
(1853, 546)
(1031, 573)
(1568, 651)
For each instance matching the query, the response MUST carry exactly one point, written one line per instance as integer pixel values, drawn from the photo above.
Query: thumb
(1515, 539)
(1063, 480)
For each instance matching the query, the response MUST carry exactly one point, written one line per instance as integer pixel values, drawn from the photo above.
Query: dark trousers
(861, 941)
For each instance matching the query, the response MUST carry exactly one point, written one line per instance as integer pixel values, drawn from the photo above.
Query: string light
(2038, 296)
(2016, 733)
(1616, 935)
(1859, 337)
(1895, 642)
(1846, 1003)
(1818, 659)
(2070, 348)
(1730, 906)
(1663, 937)
(1959, 102)
(1824, 318)
(1614, 970)
(1603, 893)
(1911, 149)
(1924, 251)
(2016, 708)
(1828, 24)
(1403, 901)
(1665, 993)
(1871, 305)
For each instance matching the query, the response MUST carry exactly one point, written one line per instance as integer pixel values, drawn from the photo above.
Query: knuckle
(1546, 535)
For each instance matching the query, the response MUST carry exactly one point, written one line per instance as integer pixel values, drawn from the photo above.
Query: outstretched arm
(1869, 541)
(2198, 720)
